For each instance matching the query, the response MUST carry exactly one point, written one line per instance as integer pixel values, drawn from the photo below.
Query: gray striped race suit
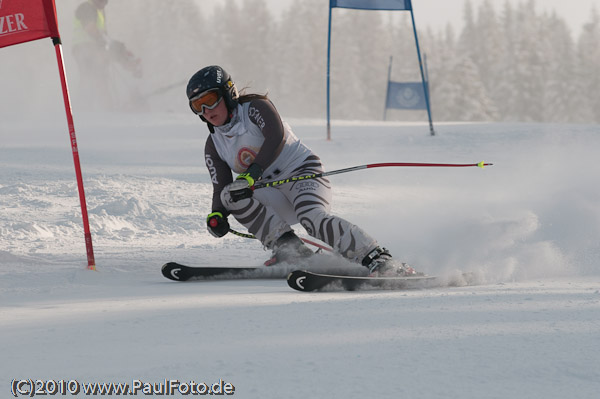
(256, 134)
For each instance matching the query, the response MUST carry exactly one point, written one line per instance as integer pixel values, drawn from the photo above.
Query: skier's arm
(264, 115)
(220, 175)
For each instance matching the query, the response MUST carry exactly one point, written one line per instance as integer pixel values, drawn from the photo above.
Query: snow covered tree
(256, 47)
(560, 102)
(441, 61)
(301, 59)
(463, 95)
(359, 64)
(588, 65)
(509, 63)
(490, 47)
(225, 27)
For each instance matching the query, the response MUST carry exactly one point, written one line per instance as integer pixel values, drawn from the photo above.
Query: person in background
(248, 137)
(94, 51)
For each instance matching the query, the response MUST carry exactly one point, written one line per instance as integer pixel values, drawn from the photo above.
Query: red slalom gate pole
(28, 20)
(369, 166)
(86, 224)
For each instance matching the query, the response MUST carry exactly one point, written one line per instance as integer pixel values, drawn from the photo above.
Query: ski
(306, 281)
(178, 272)
(303, 280)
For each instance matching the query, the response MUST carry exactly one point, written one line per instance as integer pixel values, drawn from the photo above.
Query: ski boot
(289, 248)
(380, 264)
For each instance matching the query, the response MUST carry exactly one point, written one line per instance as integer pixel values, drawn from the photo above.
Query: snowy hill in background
(529, 225)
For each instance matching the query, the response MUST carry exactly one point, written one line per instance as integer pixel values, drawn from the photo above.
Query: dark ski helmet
(213, 77)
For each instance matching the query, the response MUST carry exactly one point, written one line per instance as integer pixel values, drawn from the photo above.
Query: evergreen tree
(588, 65)
(442, 50)
(464, 95)
(226, 28)
(526, 67)
(256, 46)
(468, 37)
(358, 65)
(504, 94)
(510, 64)
(346, 82)
(561, 95)
(374, 40)
(490, 48)
(467, 94)
(302, 58)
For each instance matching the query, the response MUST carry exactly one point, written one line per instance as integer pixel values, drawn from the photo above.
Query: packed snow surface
(528, 227)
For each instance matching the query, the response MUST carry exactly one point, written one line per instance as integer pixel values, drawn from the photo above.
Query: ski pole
(351, 169)
(240, 234)
(368, 166)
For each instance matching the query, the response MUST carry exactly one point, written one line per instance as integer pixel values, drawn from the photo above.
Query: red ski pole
(314, 243)
(369, 166)
(335, 172)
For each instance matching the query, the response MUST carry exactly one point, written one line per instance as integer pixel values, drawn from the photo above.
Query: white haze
(439, 13)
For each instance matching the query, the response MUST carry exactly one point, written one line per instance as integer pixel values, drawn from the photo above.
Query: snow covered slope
(529, 226)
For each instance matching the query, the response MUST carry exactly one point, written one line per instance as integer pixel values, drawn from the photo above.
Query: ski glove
(217, 224)
(243, 186)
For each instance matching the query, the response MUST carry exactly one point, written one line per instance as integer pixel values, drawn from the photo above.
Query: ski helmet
(213, 77)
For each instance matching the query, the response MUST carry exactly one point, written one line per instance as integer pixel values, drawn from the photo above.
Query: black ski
(178, 272)
(303, 280)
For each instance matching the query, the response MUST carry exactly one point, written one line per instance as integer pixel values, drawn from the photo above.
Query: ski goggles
(206, 100)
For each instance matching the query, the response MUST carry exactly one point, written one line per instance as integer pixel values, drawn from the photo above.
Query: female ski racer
(248, 137)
